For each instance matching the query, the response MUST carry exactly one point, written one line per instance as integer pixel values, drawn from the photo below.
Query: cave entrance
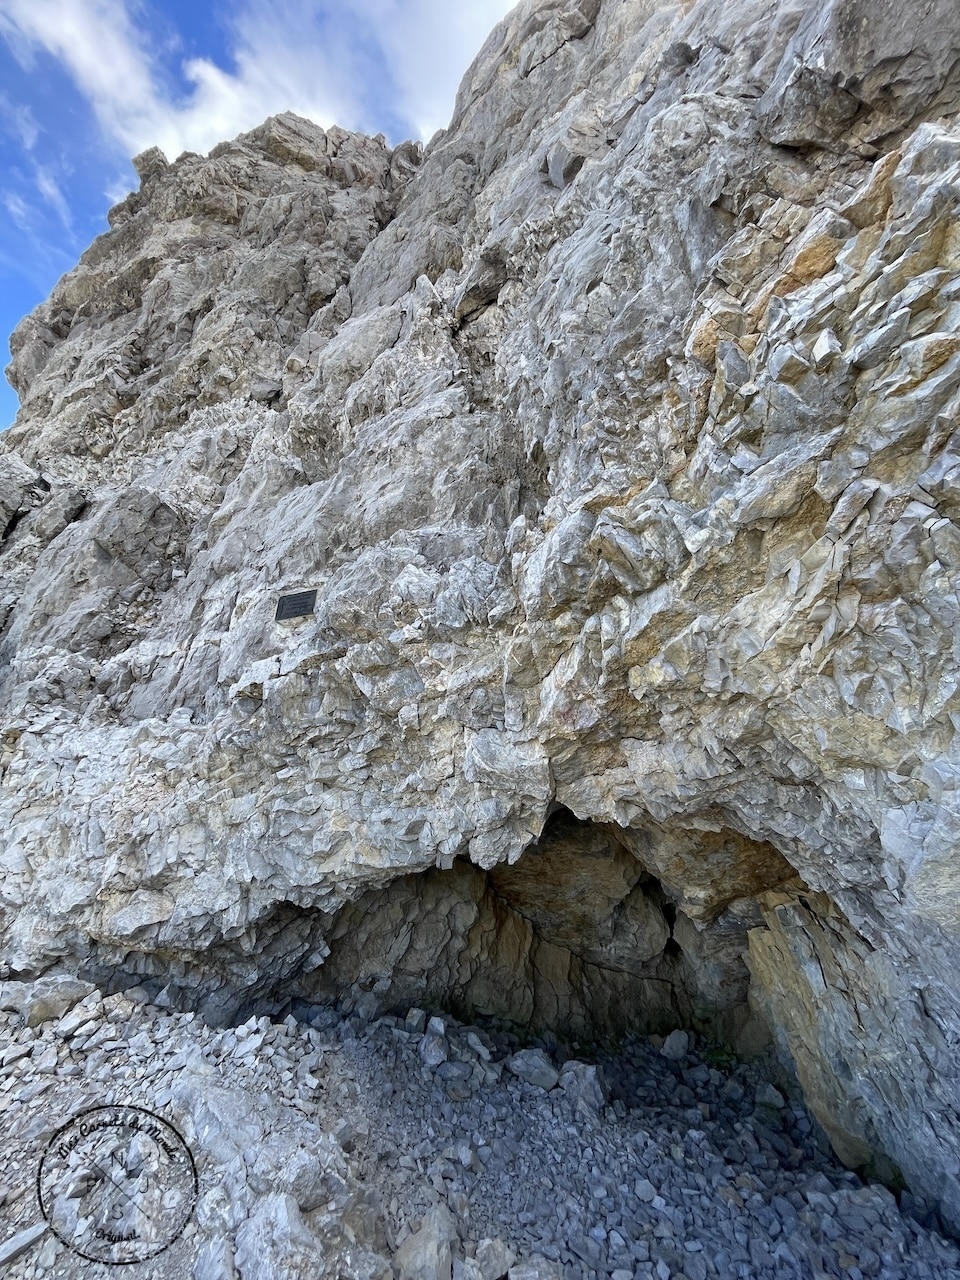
(579, 937)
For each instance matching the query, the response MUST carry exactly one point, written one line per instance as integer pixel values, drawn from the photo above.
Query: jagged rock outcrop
(619, 440)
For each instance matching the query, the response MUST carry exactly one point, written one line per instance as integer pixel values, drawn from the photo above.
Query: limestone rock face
(619, 441)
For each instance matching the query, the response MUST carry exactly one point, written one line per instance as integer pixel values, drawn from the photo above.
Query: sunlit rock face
(618, 436)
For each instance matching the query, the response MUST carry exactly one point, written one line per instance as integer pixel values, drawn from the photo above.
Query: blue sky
(87, 84)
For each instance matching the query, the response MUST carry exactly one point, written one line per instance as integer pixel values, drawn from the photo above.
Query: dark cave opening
(594, 932)
(578, 938)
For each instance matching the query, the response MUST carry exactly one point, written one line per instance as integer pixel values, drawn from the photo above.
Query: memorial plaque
(298, 605)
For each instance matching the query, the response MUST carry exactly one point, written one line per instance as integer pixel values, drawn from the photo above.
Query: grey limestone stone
(426, 1253)
(676, 1045)
(533, 1066)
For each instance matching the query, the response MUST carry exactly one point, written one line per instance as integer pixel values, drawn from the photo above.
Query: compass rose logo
(117, 1184)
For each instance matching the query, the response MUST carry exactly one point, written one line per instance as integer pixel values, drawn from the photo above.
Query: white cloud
(27, 128)
(19, 122)
(18, 209)
(38, 255)
(353, 62)
(424, 46)
(49, 189)
(429, 44)
(96, 42)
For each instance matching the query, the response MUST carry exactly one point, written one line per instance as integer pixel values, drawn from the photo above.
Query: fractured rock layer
(618, 438)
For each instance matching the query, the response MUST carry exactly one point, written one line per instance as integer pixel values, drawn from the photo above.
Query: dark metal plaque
(298, 605)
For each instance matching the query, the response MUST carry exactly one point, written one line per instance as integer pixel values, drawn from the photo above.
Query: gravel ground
(422, 1149)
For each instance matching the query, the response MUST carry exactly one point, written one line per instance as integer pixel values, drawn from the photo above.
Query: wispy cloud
(332, 61)
(18, 209)
(410, 53)
(97, 43)
(40, 255)
(19, 123)
(50, 191)
(429, 45)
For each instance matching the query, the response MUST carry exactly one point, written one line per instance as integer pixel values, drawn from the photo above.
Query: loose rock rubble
(419, 1148)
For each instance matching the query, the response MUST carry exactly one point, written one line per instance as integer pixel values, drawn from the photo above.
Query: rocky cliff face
(618, 436)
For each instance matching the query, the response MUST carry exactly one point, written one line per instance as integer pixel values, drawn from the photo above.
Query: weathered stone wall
(619, 437)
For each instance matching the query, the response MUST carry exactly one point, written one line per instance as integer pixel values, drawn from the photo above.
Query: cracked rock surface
(617, 433)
